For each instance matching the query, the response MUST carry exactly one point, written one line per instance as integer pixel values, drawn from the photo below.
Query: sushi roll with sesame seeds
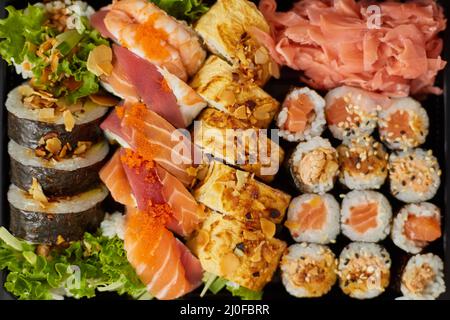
(364, 270)
(302, 115)
(365, 216)
(313, 218)
(308, 270)
(362, 163)
(350, 112)
(404, 124)
(314, 165)
(414, 175)
(416, 225)
(423, 278)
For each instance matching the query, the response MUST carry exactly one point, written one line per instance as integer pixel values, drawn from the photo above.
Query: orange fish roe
(151, 39)
(139, 222)
(161, 213)
(165, 85)
(120, 111)
(136, 161)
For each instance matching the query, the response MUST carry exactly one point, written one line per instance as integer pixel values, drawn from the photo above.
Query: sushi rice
(315, 123)
(365, 216)
(424, 213)
(364, 270)
(308, 270)
(313, 218)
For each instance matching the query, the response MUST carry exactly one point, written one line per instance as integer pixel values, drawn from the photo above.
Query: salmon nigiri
(162, 262)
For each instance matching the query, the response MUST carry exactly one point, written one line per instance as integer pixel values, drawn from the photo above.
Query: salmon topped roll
(302, 115)
(416, 225)
(414, 175)
(363, 163)
(314, 165)
(423, 278)
(313, 218)
(365, 216)
(364, 270)
(350, 112)
(404, 124)
(308, 270)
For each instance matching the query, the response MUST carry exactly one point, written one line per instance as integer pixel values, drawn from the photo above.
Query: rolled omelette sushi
(64, 177)
(416, 225)
(414, 175)
(365, 216)
(313, 218)
(302, 115)
(314, 165)
(308, 270)
(364, 270)
(350, 112)
(362, 163)
(27, 125)
(404, 124)
(59, 219)
(423, 277)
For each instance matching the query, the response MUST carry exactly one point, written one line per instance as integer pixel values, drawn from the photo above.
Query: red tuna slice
(150, 85)
(113, 129)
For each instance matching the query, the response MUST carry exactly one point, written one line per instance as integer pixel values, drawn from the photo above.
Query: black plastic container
(438, 108)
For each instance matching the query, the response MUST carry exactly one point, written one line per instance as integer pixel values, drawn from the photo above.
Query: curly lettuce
(95, 264)
(189, 10)
(55, 61)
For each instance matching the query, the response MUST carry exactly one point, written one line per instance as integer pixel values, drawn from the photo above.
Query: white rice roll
(365, 216)
(364, 270)
(313, 218)
(414, 175)
(314, 165)
(423, 277)
(308, 270)
(299, 102)
(404, 124)
(350, 112)
(363, 163)
(416, 225)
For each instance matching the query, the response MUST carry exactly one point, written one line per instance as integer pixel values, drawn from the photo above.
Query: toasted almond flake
(60, 240)
(261, 56)
(26, 90)
(202, 238)
(229, 264)
(228, 97)
(53, 145)
(268, 228)
(69, 121)
(37, 193)
(256, 256)
(46, 114)
(104, 100)
(241, 112)
(274, 70)
(82, 147)
(241, 178)
(100, 60)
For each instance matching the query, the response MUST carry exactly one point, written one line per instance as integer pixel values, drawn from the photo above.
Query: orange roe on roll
(152, 38)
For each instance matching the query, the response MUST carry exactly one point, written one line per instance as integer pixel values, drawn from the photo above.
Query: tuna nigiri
(162, 262)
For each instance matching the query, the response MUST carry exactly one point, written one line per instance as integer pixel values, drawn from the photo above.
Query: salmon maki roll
(416, 225)
(364, 270)
(365, 216)
(363, 163)
(423, 278)
(308, 270)
(302, 115)
(414, 175)
(350, 112)
(314, 165)
(313, 218)
(404, 124)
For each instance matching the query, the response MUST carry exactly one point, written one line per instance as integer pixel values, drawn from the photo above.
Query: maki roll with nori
(404, 124)
(314, 165)
(313, 218)
(70, 174)
(414, 175)
(416, 225)
(34, 115)
(363, 163)
(364, 270)
(40, 220)
(308, 270)
(365, 216)
(423, 278)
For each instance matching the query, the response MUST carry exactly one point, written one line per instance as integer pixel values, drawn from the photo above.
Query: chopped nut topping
(69, 120)
(37, 193)
(53, 145)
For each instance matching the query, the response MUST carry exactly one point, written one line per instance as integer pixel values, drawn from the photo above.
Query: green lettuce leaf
(96, 263)
(244, 293)
(189, 10)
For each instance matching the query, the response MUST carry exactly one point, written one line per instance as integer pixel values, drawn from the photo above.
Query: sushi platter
(117, 181)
